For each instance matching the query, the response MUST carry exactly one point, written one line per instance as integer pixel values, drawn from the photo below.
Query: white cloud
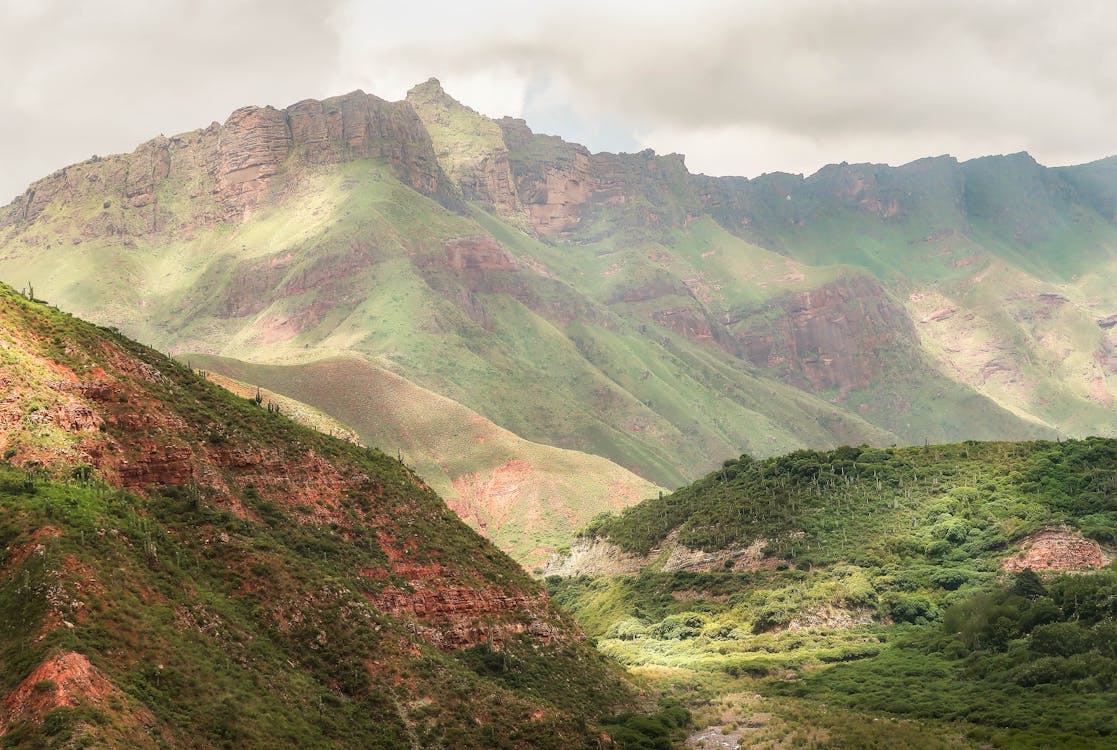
(743, 86)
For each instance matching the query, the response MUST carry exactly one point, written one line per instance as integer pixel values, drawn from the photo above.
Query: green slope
(181, 568)
(879, 583)
(1015, 257)
(528, 498)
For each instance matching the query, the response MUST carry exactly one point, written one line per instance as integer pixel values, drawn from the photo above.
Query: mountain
(927, 597)
(183, 567)
(1003, 265)
(609, 304)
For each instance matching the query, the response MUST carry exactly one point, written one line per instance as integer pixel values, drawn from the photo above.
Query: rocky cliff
(836, 336)
(469, 147)
(224, 172)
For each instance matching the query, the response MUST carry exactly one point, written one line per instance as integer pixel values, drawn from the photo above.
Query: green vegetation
(935, 505)
(1034, 660)
(870, 582)
(192, 612)
(659, 731)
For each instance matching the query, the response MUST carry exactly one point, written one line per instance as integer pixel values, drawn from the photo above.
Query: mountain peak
(429, 90)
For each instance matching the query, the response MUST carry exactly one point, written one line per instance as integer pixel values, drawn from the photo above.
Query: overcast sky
(740, 87)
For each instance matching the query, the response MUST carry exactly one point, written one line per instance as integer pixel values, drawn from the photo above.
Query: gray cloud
(84, 78)
(994, 76)
(742, 86)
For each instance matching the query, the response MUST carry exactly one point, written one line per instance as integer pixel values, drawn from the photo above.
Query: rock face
(250, 149)
(835, 336)
(469, 147)
(1057, 550)
(590, 557)
(733, 559)
(594, 557)
(479, 254)
(237, 165)
(460, 616)
(563, 187)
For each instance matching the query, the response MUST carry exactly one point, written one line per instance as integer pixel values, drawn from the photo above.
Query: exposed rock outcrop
(469, 147)
(68, 680)
(1058, 550)
(478, 254)
(562, 186)
(454, 617)
(834, 336)
(235, 166)
(594, 556)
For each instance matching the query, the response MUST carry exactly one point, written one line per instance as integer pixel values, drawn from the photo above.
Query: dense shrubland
(883, 593)
(943, 502)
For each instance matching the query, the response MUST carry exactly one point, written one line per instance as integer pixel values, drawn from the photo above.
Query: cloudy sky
(739, 86)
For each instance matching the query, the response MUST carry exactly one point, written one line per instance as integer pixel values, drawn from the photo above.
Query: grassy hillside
(181, 567)
(882, 583)
(998, 492)
(528, 498)
(1003, 264)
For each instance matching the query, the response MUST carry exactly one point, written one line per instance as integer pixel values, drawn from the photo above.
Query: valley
(615, 305)
(483, 496)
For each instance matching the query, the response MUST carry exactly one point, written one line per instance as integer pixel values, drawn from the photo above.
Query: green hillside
(1002, 263)
(528, 498)
(181, 567)
(886, 584)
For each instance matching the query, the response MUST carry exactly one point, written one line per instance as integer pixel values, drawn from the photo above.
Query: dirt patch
(1058, 549)
(488, 498)
(830, 617)
(34, 545)
(65, 680)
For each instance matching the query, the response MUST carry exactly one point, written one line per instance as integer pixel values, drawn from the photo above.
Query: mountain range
(547, 337)
(544, 333)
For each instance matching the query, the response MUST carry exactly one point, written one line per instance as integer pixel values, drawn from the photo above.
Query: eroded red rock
(1057, 549)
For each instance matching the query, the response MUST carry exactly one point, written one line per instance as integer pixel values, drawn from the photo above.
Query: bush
(950, 580)
(677, 627)
(909, 608)
(1060, 639)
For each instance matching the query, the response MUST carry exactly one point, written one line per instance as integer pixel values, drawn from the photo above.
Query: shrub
(909, 608)
(677, 627)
